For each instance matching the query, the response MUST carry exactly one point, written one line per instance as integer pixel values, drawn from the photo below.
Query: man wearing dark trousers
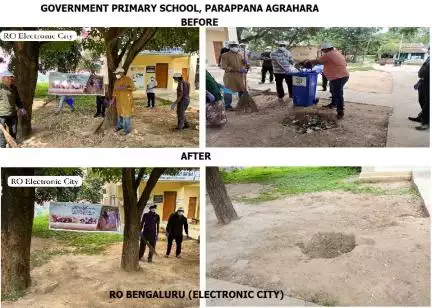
(423, 88)
(283, 63)
(267, 65)
(324, 82)
(150, 232)
(174, 230)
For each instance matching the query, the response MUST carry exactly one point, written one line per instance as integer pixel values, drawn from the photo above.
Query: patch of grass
(297, 180)
(84, 242)
(40, 257)
(12, 297)
(41, 90)
(360, 68)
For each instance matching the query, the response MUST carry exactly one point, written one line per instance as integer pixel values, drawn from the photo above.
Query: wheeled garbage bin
(304, 87)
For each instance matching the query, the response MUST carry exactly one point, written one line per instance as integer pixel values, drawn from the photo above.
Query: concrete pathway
(215, 284)
(422, 180)
(403, 100)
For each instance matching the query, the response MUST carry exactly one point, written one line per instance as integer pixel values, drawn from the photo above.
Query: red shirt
(335, 66)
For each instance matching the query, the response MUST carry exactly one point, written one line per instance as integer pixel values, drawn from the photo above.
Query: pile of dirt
(328, 245)
(309, 122)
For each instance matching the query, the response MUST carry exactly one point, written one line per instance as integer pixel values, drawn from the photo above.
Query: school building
(162, 64)
(170, 193)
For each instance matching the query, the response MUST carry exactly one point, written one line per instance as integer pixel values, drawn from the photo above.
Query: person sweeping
(123, 88)
(235, 79)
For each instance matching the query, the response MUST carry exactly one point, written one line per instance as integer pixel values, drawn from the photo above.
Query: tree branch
(151, 183)
(139, 177)
(138, 45)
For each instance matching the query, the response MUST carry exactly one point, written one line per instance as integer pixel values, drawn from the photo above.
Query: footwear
(178, 257)
(324, 89)
(149, 261)
(96, 115)
(272, 81)
(329, 106)
(340, 115)
(117, 129)
(422, 127)
(261, 82)
(281, 99)
(124, 133)
(166, 256)
(230, 109)
(416, 119)
(186, 125)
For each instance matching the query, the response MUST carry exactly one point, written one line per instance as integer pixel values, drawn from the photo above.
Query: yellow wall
(175, 65)
(214, 35)
(184, 190)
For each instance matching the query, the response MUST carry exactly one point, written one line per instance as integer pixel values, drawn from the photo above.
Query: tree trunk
(17, 211)
(26, 71)
(130, 252)
(133, 210)
(219, 198)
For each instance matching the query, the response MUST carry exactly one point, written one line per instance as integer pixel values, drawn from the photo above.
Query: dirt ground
(85, 281)
(267, 127)
(371, 82)
(269, 248)
(150, 128)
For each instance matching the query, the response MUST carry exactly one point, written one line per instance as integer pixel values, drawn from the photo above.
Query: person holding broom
(150, 231)
(182, 101)
(235, 68)
(10, 102)
(123, 88)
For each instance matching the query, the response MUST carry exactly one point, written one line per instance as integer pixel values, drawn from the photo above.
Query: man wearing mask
(267, 65)
(174, 230)
(335, 70)
(423, 88)
(149, 232)
(123, 88)
(182, 101)
(235, 68)
(10, 102)
(151, 87)
(283, 63)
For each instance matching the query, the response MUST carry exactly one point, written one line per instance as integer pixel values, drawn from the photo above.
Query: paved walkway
(422, 181)
(403, 100)
(215, 284)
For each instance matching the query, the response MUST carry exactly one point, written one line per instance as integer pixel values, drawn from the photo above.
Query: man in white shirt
(151, 87)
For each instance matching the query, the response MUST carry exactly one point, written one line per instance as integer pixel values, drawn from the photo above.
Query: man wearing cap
(182, 101)
(423, 88)
(335, 70)
(123, 88)
(235, 68)
(149, 232)
(267, 65)
(174, 230)
(10, 102)
(283, 63)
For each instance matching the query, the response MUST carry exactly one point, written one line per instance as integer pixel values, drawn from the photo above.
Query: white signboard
(299, 81)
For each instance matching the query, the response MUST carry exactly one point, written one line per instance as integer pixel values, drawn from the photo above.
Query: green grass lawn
(356, 67)
(282, 181)
(83, 242)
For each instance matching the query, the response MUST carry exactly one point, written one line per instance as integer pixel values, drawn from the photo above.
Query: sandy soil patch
(371, 81)
(268, 127)
(85, 281)
(150, 128)
(389, 265)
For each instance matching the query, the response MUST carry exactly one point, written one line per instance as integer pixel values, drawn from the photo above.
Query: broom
(11, 141)
(246, 102)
